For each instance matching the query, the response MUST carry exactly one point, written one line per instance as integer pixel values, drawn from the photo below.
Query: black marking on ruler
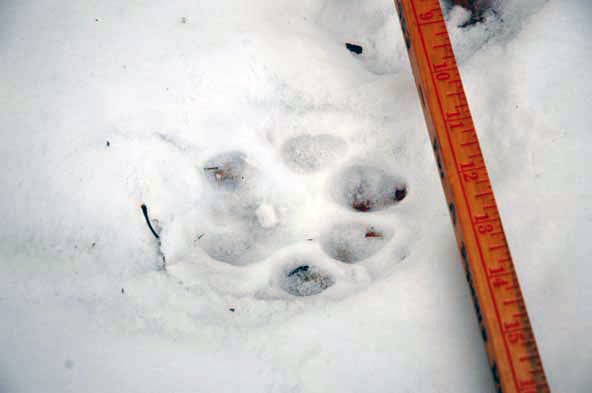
(423, 103)
(496, 378)
(436, 148)
(463, 253)
(440, 166)
(452, 212)
(403, 24)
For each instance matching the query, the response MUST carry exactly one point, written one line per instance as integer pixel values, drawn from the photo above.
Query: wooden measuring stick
(501, 311)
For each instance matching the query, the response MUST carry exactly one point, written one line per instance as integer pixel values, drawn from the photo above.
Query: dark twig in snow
(357, 49)
(145, 211)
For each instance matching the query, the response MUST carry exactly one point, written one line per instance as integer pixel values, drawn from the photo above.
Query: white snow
(266, 215)
(277, 164)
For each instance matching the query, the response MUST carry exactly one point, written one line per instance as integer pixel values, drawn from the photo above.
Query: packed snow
(304, 243)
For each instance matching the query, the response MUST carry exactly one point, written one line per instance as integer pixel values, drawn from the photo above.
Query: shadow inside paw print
(352, 242)
(306, 280)
(367, 189)
(229, 171)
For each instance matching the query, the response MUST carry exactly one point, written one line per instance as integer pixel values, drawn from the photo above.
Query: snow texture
(309, 153)
(305, 243)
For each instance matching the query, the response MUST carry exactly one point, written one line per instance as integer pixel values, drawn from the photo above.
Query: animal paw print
(242, 219)
(306, 280)
(360, 188)
(352, 242)
(367, 189)
(230, 171)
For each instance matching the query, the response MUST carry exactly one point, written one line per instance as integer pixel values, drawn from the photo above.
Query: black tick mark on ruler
(496, 378)
(463, 253)
(403, 24)
(452, 212)
(440, 167)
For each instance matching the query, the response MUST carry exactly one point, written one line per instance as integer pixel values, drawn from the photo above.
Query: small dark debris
(107, 143)
(227, 170)
(200, 236)
(310, 240)
(306, 281)
(299, 269)
(122, 291)
(93, 244)
(96, 19)
(373, 233)
(357, 49)
(478, 8)
(400, 194)
(362, 205)
(220, 174)
(474, 19)
(231, 309)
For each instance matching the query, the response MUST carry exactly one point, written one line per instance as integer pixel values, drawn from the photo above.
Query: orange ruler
(501, 311)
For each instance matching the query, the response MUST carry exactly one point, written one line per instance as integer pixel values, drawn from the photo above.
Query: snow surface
(247, 129)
